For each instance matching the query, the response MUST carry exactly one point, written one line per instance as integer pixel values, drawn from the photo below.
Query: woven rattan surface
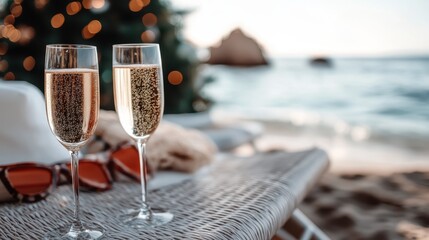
(246, 198)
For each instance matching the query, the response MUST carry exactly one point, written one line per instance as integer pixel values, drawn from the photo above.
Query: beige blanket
(171, 146)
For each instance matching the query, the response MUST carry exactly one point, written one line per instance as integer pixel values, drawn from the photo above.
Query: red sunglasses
(31, 182)
(125, 160)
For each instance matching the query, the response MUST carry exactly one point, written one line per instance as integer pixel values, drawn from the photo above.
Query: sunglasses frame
(86, 186)
(119, 166)
(60, 175)
(4, 170)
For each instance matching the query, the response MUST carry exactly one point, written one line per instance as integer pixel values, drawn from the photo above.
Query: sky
(314, 27)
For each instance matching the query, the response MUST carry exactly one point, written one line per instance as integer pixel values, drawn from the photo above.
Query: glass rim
(70, 46)
(128, 45)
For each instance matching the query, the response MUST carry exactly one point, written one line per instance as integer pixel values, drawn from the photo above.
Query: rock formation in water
(321, 61)
(237, 50)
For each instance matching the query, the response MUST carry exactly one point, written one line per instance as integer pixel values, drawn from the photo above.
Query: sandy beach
(371, 191)
(367, 206)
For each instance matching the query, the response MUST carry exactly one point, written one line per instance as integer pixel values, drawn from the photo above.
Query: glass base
(141, 219)
(88, 232)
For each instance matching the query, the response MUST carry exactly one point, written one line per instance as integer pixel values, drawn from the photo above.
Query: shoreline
(347, 156)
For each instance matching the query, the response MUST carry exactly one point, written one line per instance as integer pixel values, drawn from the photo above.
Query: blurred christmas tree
(28, 25)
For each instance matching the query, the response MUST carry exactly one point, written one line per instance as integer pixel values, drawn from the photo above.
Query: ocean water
(364, 99)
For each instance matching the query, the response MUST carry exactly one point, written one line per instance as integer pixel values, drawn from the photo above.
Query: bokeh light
(175, 77)
(3, 48)
(136, 5)
(57, 20)
(9, 76)
(146, 2)
(73, 8)
(16, 10)
(3, 65)
(9, 19)
(149, 19)
(148, 36)
(86, 34)
(14, 35)
(6, 30)
(39, 4)
(27, 33)
(97, 4)
(87, 4)
(29, 63)
(94, 27)
(1, 30)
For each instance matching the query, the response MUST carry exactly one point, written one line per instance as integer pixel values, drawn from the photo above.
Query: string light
(149, 19)
(24, 34)
(29, 63)
(57, 20)
(175, 77)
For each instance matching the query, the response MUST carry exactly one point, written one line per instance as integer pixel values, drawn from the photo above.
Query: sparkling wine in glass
(72, 106)
(139, 102)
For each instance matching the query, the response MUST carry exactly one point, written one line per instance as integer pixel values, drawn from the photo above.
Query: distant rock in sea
(237, 50)
(321, 61)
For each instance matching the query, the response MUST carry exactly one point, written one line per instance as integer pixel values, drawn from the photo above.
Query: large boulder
(237, 50)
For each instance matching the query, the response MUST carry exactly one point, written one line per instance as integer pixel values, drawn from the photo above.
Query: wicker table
(238, 198)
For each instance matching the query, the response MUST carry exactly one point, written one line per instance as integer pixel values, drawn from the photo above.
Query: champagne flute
(139, 102)
(72, 106)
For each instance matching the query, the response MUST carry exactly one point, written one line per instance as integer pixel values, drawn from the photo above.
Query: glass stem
(77, 224)
(145, 211)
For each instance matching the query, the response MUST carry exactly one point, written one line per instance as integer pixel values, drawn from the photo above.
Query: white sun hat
(25, 135)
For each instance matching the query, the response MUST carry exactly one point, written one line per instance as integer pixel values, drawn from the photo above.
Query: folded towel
(25, 135)
(170, 147)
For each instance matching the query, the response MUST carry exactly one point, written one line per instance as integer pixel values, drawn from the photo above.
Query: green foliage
(119, 25)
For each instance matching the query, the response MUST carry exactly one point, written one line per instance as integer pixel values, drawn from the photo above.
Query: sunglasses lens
(30, 180)
(128, 160)
(93, 174)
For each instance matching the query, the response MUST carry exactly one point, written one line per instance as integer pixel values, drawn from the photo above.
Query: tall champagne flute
(72, 105)
(139, 102)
